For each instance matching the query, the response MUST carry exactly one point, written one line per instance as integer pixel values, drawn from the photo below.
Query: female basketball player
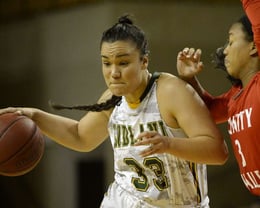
(160, 129)
(240, 106)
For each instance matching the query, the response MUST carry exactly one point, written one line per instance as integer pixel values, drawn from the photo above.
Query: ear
(145, 61)
(253, 51)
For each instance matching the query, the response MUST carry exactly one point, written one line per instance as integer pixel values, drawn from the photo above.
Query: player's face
(237, 51)
(122, 67)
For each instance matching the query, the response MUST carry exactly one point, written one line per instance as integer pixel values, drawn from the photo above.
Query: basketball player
(240, 106)
(161, 132)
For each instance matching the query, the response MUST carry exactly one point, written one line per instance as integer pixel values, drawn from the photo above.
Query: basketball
(21, 144)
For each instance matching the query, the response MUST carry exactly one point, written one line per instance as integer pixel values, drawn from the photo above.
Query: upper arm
(181, 107)
(93, 127)
(181, 103)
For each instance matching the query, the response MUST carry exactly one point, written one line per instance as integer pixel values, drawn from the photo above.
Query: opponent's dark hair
(219, 61)
(247, 28)
(219, 56)
(123, 30)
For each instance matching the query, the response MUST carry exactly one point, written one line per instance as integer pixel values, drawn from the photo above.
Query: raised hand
(188, 63)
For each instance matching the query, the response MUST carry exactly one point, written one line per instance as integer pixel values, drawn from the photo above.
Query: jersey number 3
(154, 164)
(240, 152)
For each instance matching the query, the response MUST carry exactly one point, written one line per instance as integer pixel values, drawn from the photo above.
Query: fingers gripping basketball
(21, 144)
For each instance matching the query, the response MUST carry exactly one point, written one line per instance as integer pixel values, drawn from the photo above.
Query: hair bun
(125, 20)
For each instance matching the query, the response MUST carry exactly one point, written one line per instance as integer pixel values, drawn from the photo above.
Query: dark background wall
(49, 50)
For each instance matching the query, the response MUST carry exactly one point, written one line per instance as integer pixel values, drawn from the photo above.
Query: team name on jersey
(124, 134)
(251, 179)
(240, 121)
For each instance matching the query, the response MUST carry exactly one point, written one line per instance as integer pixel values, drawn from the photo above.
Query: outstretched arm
(83, 135)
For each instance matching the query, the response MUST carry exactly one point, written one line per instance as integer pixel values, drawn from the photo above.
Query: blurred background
(49, 50)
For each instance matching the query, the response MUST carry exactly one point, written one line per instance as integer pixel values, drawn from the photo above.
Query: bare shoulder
(171, 93)
(169, 84)
(106, 95)
(176, 99)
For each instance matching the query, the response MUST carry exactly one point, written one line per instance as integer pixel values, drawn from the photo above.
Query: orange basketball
(21, 144)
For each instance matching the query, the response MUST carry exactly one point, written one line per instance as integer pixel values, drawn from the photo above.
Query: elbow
(223, 158)
(88, 144)
(85, 147)
(220, 159)
(79, 148)
(223, 154)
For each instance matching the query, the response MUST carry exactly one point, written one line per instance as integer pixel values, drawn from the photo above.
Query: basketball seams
(24, 126)
(21, 144)
(32, 142)
(23, 169)
(22, 147)
(4, 130)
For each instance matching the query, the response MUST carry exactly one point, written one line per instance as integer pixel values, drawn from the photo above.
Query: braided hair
(123, 30)
(110, 103)
(219, 56)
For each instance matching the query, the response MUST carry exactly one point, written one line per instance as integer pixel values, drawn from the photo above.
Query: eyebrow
(117, 56)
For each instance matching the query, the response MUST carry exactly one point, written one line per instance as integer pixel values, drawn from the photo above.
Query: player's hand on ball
(20, 111)
(156, 143)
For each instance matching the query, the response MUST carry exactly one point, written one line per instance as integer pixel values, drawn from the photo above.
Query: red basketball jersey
(240, 107)
(244, 130)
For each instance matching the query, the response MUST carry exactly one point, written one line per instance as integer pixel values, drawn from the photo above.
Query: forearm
(194, 82)
(202, 149)
(60, 129)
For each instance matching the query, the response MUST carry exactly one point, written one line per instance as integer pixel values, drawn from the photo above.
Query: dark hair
(219, 61)
(247, 27)
(219, 56)
(110, 103)
(123, 30)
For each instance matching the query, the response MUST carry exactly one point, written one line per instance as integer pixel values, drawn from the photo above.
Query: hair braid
(110, 103)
